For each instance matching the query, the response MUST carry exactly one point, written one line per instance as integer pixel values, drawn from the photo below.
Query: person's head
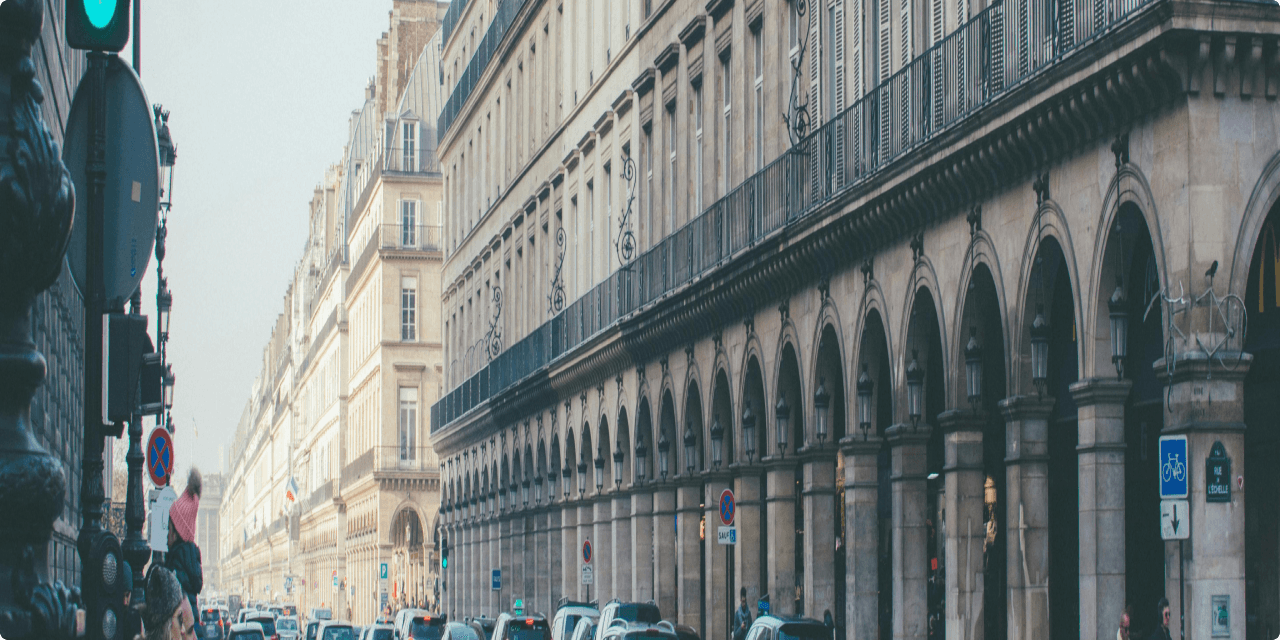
(1125, 617)
(167, 614)
(742, 595)
(182, 515)
(1163, 608)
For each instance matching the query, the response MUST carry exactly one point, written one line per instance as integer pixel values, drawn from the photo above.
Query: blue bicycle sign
(1174, 467)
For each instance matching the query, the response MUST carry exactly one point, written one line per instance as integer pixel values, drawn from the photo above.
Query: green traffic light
(444, 563)
(100, 12)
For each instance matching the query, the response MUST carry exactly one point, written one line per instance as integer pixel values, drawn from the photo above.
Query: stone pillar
(527, 567)
(689, 552)
(555, 556)
(1206, 403)
(747, 565)
(664, 541)
(569, 562)
(602, 539)
(541, 594)
(642, 546)
(862, 534)
(491, 562)
(623, 563)
(586, 517)
(1027, 515)
(502, 596)
(1100, 403)
(910, 551)
(965, 531)
(819, 495)
(780, 506)
(718, 601)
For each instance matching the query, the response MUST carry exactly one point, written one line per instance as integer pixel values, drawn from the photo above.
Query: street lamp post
(1040, 349)
(618, 457)
(973, 368)
(915, 389)
(865, 389)
(690, 444)
(599, 465)
(664, 454)
(782, 414)
(717, 441)
(642, 460)
(1117, 308)
(749, 432)
(821, 405)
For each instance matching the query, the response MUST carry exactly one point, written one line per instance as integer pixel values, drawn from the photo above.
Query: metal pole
(91, 489)
(137, 37)
(135, 548)
(1182, 603)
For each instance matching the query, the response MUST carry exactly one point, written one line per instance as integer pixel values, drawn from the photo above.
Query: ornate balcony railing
(451, 17)
(504, 16)
(999, 49)
(411, 237)
(409, 160)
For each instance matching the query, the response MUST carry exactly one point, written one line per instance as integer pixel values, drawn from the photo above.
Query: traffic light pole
(135, 549)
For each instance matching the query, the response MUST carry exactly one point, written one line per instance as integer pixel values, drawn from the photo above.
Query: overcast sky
(260, 93)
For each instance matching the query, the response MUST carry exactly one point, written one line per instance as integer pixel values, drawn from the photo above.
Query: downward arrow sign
(1175, 518)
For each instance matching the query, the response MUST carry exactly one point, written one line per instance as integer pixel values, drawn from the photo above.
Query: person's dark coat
(1160, 633)
(183, 559)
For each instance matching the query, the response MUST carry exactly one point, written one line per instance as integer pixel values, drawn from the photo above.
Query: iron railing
(997, 50)
(411, 237)
(451, 17)
(504, 16)
(410, 159)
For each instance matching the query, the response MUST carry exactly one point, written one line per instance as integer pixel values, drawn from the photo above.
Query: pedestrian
(741, 617)
(167, 614)
(183, 557)
(1162, 630)
(1123, 632)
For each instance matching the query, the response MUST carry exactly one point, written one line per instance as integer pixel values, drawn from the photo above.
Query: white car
(568, 616)
(330, 630)
(645, 612)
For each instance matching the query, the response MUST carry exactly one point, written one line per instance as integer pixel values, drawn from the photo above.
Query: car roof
(778, 621)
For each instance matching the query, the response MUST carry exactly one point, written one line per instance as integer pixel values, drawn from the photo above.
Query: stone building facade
(923, 283)
(353, 361)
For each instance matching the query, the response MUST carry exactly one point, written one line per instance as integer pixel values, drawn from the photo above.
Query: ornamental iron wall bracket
(797, 116)
(625, 243)
(493, 339)
(556, 299)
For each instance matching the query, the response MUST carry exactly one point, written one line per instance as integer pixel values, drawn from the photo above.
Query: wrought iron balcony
(999, 49)
(451, 17)
(409, 160)
(411, 237)
(504, 16)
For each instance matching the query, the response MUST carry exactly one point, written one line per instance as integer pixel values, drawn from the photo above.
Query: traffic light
(444, 553)
(97, 25)
(104, 567)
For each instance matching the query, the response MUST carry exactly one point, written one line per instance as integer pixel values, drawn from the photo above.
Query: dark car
(213, 623)
(623, 630)
(312, 627)
(483, 627)
(460, 631)
(267, 622)
(418, 624)
(246, 631)
(530, 626)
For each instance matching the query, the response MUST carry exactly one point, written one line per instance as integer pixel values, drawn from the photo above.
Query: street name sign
(1175, 519)
(160, 456)
(588, 575)
(1175, 467)
(497, 580)
(727, 535)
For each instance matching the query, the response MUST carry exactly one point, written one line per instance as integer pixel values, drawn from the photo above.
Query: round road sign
(728, 507)
(586, 551)
(160, 456)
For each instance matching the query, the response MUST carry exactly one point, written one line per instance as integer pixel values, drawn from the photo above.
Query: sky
(260, 93)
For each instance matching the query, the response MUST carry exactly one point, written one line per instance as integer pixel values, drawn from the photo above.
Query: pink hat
(183, 512)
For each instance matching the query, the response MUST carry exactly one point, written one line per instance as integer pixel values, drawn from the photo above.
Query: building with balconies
(924, 284)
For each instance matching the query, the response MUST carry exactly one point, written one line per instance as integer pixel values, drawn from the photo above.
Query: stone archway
(408, 565)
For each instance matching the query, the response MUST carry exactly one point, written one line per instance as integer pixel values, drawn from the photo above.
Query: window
(408, 223)
(726, 96)
(646, 149)
(757, 39)
(793, 28)
(408, 309)
(408, 423)
(671, 170)
(409, 135)
(698, 149)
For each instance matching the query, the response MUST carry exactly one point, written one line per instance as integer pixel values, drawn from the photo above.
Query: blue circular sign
(160, 456)
(99, 12)
(727, 507)
(586, 552)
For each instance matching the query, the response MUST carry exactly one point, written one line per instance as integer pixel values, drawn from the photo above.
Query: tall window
(408, 309)
(408, 223)
(591, 235)
(646, 149)
(408, 423)
(757, 41)
(726, 90)
(793, 28)
(409, 135)
(698, 149)
(671, 169)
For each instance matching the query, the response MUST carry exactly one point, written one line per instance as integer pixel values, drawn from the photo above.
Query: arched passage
(755, 412)
(570, 462)
(644, 440)
(876, 364)
(667, 438)
(823, 485)
(622, 445)
(787, 515)
(408, 557)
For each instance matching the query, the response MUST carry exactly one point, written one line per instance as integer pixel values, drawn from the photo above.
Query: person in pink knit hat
(183, 557)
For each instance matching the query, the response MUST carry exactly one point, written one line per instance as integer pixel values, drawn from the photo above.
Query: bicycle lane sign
(1175, 467)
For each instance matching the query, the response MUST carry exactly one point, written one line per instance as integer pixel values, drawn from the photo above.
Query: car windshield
(209, 616)
(311, 630)
(338, 633)
(268, 625)
(463, 632)
(246, 635)
(287, 624)
(646, 613)
(383, 634)
(421, 629)
(804, 632)
(528, 629)
(649, 634)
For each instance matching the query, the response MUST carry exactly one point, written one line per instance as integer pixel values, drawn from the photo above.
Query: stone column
(780, 506)
(689, 551)
(747, 563)
(964, 527)
(642, 546)
(503, 595)
(569, 560)
(910, 551)
(623, 563)
(1100, 403)
(491, 562)
(1206, 403)
(819, 495)
(664, 541)
(554, 555)
(1027, 514)
(718, 601)
(531, 565)
(541, 594)
(862, 534)
(586, 516)
(602, 539)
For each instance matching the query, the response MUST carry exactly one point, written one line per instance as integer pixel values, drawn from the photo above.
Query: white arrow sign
(1175, 519)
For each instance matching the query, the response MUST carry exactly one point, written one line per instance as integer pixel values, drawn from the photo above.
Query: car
(528, 626)
(771, 627)
(289, 609)
(625, 630)
(646, 612)
(379, 631)
(419, 624)
(568, 613)
(213, 623)
(276, 610)
(321, 614)
(686, 632)
(335, 630)
(483, 627)
(246, 631)
(267, 621)
(287, 627)
(312, 627)
(586, 629)
(460, 631)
